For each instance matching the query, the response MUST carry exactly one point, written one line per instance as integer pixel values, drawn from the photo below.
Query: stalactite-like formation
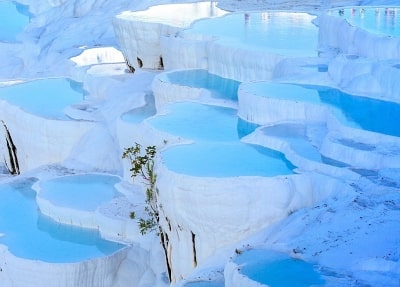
(140, 62)
(130, 67)
(194, 249)
(13, 168)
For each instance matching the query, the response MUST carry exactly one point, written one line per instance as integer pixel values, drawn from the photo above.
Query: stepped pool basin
(82, 192)
(276, 269)
(208, 159)
(355, 111)
(198, 122)
(217, 150)
(257, 29)
(14, 18)
(138, 115)
(45, 97)
(219, 87)
(377, 20)
(30, 235)
(175, 15)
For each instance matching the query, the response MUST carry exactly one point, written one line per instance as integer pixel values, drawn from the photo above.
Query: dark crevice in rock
(13, 168)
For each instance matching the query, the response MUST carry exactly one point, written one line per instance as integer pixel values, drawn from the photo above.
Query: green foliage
(142, 165)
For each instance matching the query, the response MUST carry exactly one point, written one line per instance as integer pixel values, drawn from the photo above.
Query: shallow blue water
(85, 192)
(45, 97)
(220, 87)
(277, 269)
(282, 32)
(352, 110)
(362, 112)
(30, 235)
(226, 159)
(218, 150)
(198, 122)
(14, 17)
(378, 20)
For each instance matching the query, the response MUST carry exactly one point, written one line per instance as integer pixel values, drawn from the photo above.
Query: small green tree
(142, 165)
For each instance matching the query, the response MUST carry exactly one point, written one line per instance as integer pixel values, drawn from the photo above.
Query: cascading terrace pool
(255, 30)
(274, 269)
(30, 235)
(217, 150)
(44, 97)
(356, 111)
(377, 20)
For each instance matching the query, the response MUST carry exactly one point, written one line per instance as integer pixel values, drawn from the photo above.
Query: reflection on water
(28, 234)
(380, 20)
(282, 32)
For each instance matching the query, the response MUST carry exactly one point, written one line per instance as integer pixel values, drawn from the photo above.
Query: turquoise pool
(218, 86)
(217, 150)
(258, 30)
(378, 20)
(29, 234)
(83, 192)
(14, 17)
(210, 159)
(198, 122)
(352, 110)
(362, 112)
(276, 269)
(45, 97)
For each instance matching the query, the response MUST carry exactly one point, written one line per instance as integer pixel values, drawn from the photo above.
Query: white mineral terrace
(342, 176)
(180, 194)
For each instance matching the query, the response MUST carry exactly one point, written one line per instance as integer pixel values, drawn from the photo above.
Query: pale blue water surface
(84, 192)
(198, 122)
(226, 159)
(276, 269)
(45, 97)
(220, 87)
(14, 17)
(289, 33)
(217, 150)
(352, 110)
(30, 235)
(378, 20)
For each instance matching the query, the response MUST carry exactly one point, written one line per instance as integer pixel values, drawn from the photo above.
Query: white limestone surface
(303, 151)
(270, 104)
(204, 214)
(18, 272)
(139, 32)
(40, 141)
(165, 92)
(93, 56)
(267, 103)
(110, 216)
(337, 34)
(234, 278)
(378, 79)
